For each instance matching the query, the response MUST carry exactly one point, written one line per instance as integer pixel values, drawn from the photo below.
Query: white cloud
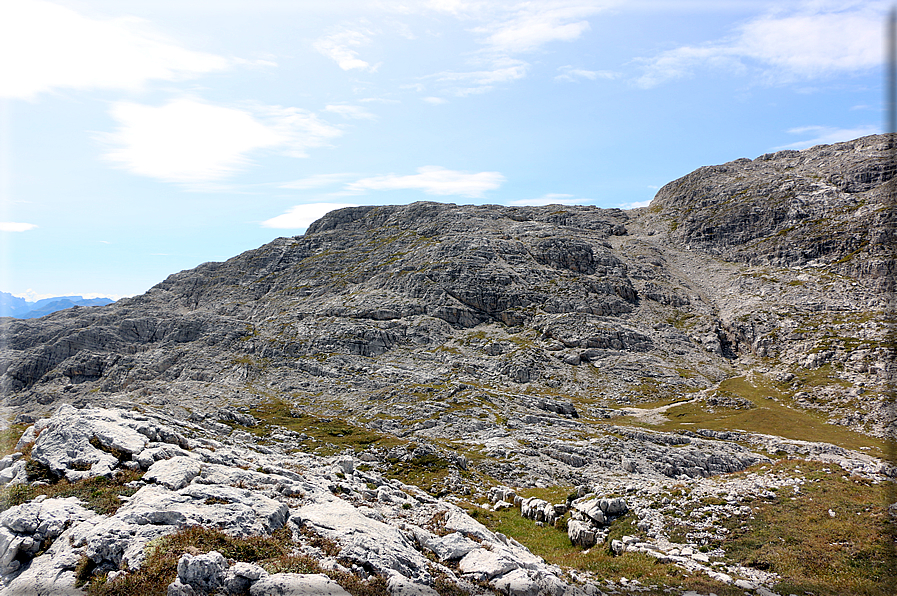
(635, 205)
(524, 26)
(811, 42)
(316, 181)
(535, 25)
(378, 100)
(301, 216)
(433, 180)
(682, 62)
(188, 140)
(435, 100)
(507, 29)
(479, 81)
(826, 135)
(348, 111)
(550, 199)
(338, 47)
(44, 46)
(14, 226)
(812, 45)
(570, 74)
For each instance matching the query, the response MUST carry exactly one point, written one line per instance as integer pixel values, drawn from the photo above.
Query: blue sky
(141, 138)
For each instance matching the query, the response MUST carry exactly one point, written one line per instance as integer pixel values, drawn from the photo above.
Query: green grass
(99, 494)
(9, 437)
(273, 552)
(770, 417)
(812, 551)
(681, 319)
(553, 545)
(428, 472)
(335, 433)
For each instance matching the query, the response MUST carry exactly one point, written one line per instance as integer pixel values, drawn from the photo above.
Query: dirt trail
(656, 415)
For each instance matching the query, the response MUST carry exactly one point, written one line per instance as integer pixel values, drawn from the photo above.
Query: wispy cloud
(508, 29)
(350, 111)
(511, 27)
(503, 70)
(317, 181)
(302, 216)
(435, 100)
(534, 26)
(14, 226)
(339, 48)
(45, 46)
(826, 135)
(811, 42)
(550, 199)
(187, 140)
(571, 74)
(433, 180)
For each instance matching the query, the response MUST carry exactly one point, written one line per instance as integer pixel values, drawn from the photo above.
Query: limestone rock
(204, 573)
(174, 473)
(296, 584)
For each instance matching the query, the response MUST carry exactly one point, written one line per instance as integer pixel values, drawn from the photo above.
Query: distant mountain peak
(19, 308)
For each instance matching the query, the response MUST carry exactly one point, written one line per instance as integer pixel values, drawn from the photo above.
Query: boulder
(204, 573)
(28, 528)
(398, 585)
(296, 584)
(362, 539)
(449, 547)
(483, 564)
(78, 444)
(518, 583)
(581, 533)
(174, 473)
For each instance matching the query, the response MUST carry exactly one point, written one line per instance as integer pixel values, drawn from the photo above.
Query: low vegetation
(332, 434)
(772, 415)
(275, 553)
(100, 494)
(552, 544)
(9, 437)
(427, 472)
(831, 539)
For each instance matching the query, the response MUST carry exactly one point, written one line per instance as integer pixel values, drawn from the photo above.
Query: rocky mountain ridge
(739, 319)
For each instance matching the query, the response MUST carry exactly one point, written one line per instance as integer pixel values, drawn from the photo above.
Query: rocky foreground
(341, 516)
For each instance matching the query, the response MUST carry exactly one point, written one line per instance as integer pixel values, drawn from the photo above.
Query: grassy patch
(771, 417)
(681, 319)
(553, 545)
(552, 494)
(796, 536)
(9, 437)
(427, 472)
(100, 494)
(334, 432)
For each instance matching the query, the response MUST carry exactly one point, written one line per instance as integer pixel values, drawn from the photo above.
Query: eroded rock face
(789, 208)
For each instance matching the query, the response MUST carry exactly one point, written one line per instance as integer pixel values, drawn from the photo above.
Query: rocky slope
(619, 351)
